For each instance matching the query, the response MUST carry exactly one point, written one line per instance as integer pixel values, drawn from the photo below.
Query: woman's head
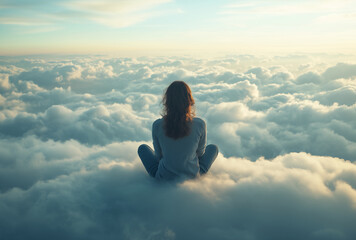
(178, 109)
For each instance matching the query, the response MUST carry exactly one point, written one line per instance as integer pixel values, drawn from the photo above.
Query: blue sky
(168, 26)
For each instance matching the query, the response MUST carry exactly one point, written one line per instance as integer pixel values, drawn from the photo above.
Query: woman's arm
(156, 145)
(202, 141)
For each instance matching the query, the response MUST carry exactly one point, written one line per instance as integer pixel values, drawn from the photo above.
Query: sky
(161, 27)
(81, 83)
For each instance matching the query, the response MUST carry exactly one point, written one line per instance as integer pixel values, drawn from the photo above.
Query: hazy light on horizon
(167, 26)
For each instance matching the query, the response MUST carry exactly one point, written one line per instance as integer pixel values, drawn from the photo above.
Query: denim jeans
(150, 162)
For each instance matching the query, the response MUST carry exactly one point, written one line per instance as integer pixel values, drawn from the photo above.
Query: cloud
(265, 111)
(224, 92)
(343, 96)
(309, 77)
(111, 13)
(70, 128)
(231, 112)
(305, 195)
(29, 160)
(96, 125)
(341, 70)
(115, 6)
(4, 83)
(47, 79)
(23, 21)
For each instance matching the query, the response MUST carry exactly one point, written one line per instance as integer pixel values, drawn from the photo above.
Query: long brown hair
(178, 111)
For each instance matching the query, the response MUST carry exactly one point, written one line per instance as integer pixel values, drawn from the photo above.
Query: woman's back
(179, 157)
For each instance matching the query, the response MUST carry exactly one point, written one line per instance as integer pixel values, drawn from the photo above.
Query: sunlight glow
(158, 27)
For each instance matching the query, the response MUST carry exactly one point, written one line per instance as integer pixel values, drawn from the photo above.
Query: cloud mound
(292, 196)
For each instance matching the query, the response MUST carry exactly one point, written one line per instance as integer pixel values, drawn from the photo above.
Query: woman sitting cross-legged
(179, 139)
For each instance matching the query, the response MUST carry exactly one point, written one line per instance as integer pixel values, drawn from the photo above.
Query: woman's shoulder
(157, 122)
(199, 121)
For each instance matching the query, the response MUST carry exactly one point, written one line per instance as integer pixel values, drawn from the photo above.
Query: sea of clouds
(70, 127)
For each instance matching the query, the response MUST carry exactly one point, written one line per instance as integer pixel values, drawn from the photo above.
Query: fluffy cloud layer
(293, 196)
(70, 128)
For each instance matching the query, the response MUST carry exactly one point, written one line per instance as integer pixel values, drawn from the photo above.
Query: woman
(179, 139)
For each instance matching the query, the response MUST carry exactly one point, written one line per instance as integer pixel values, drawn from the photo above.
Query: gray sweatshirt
(179, 157)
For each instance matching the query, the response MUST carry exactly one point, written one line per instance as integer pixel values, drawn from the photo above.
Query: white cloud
(343, 96)
(23, 21)
(108, 12)
(309, 77)
(341, 70)
(112, 6)
(238, 198)
(70, 128)
(4, 83)
(231, 112)
(225, 92)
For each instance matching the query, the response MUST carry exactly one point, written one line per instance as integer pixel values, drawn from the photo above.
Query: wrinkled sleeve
(202, 141)
(156, 145)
